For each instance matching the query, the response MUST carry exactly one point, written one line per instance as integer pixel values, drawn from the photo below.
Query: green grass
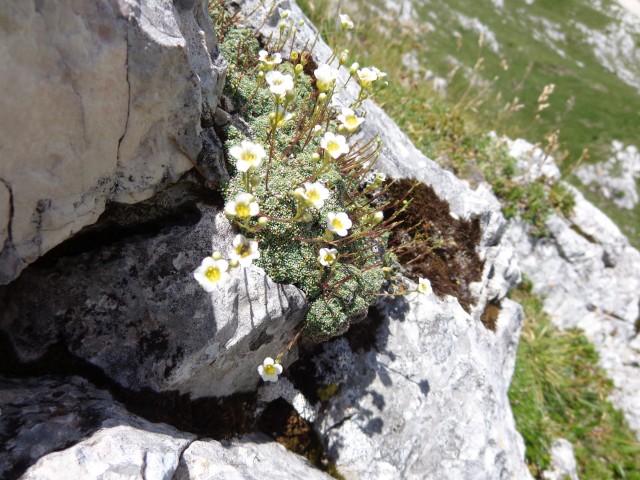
(558, 390)
(603, 106)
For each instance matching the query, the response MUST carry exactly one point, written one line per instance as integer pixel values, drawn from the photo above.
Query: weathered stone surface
(133, 308)
(254, 457)
(67, 429)
(430, 398)
(587, 274)
(44, 415)
(563, 462)
(94, 94)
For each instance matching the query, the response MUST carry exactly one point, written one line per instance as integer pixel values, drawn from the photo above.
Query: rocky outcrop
(66, 428)
(132, 307)
(102, 101)
(429, 399)
(586, 272)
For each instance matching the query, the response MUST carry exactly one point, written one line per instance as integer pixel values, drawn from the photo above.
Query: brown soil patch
(491, 313)
(435, 246)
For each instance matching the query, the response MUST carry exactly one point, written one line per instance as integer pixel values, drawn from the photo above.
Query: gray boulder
(66, 428)
(132, 307)
(429, 400)
(104, 100)
(43, 415)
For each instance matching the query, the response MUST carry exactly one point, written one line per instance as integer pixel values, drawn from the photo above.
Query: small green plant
(558, 390)
(302, 192)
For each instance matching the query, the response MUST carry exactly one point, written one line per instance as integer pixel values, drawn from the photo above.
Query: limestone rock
(429, 400)
(44, 415)
(254, 457)
(587, 274)
(66, 428)
(132, 307)
(563, 462)
(103, 100)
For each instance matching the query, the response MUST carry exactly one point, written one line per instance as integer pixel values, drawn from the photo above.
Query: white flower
(279, 84)
(244, 251)
(349, 119)
(315, 194)
(338, 223)
(367, 76)
(335, 145)
(248, 155)
(424, 286)
(345, 22)
(211, 273)
(378, 73)
(269, 370)
(243, 206)
(327, 256)
(380, 178)
(283, 117)
(325, 77)
(269, 60)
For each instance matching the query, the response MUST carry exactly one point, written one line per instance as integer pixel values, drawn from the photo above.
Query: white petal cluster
(367, 76)
(248, 155)
(212, 273)
(325, 77)
(315, 194)
(346, 22)
(335, 145)
(350, 120)
(269, 60)
(327, 256)
(244, 250)
(338, 223)
(243, 206)
(269, 370)
(279, 84)
(424, 286)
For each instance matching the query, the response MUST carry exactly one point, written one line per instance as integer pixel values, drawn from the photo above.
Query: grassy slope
(604, 107)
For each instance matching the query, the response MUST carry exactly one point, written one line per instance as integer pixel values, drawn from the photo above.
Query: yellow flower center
(329, 258)
(313, 195)
(352, 120)
(249, 157)
(243, 250)
(269, 369)
(213, 274)
(337, 224)
(242, 210)
(333, 146)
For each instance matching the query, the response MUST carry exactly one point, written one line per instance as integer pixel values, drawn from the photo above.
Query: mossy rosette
(339, 295)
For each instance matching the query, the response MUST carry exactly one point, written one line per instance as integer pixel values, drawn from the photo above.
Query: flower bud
(317, 129)
(260, 76)
(322, 97)
(262, 221)
(344, 56)
(377, 217)
(298, 68)
(255, 180)
(328, 236)
(342, 129)
(301, 23)
(233, 263)
(353, 69)
(290, 95)
(216, 255)
(307, 217)
(315, 157)
(282, 24)
(294, 56)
